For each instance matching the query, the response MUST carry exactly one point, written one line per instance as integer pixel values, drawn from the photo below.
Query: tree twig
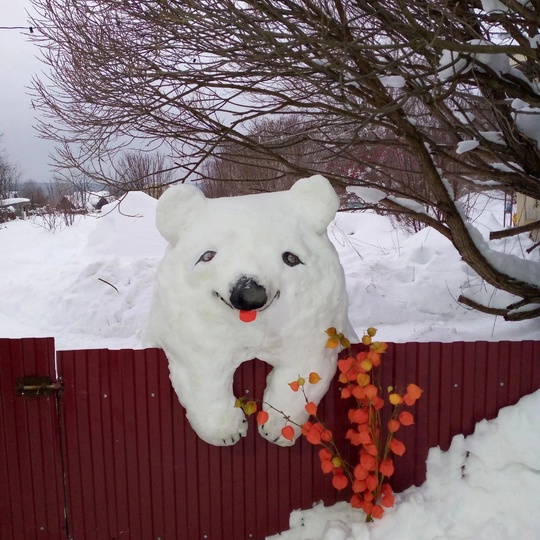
(496, 235)
(110, 284)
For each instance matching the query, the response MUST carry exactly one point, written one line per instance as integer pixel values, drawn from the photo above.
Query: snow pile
(527, 119)
(486, 487)
(88, 285)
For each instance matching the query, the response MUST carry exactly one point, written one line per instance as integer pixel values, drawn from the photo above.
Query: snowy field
(90, 286)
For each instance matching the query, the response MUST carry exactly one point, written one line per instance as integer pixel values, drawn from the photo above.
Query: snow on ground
(407, 285)
(90, 285)
(486, 487)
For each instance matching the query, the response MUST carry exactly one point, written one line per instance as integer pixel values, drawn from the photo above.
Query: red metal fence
(111, 456)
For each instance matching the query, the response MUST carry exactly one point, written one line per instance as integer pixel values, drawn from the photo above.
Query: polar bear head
(245, 277)
(245, 252)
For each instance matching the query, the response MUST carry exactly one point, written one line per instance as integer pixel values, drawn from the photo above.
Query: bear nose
(247, 294)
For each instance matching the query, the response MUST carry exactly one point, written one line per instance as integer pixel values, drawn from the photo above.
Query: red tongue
(248, 316)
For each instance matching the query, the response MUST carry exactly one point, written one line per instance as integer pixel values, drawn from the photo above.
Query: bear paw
(271, 430)
(224, 429)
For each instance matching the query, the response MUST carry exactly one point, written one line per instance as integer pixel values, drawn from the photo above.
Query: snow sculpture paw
(271, 430)
(246, 277)
(224, 429)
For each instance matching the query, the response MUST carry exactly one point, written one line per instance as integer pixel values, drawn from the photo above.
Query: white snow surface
(486, 487)
(527, 119)
(452, 63)
(466, 146)
(88, 285)
(54, 284)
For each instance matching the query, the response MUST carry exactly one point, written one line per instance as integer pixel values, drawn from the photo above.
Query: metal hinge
(37, 386)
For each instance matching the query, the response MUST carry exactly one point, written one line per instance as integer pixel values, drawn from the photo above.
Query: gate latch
(30, 387)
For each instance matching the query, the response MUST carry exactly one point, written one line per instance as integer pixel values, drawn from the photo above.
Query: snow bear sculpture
(247, 277)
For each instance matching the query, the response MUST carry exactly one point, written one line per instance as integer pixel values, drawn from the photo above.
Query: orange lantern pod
(406, 418)
(262, 418)
(339, 481)
(393, 425)
(387, 467)
(311, 408)
(371, 482)
(288, 433)
(397, 447)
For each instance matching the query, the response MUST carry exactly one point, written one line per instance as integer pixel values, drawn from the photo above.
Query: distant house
(98, 200)
(16, 206)
(84, 201)
(65, 205)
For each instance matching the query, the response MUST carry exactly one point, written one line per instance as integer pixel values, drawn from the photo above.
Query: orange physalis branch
(358, 375)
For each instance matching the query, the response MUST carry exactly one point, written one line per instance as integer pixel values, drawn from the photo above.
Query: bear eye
(207, 256)
(290, 259)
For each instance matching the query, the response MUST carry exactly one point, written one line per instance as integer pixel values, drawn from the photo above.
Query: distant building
(16, 206)
(65, 205)
(82, 202)
(98, 200)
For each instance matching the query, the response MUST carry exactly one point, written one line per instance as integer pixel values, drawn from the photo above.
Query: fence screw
(105, 396)
(501, 384)
(456, 385)
(153, 395)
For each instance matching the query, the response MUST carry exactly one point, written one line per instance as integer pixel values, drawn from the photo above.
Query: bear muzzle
(247, 295)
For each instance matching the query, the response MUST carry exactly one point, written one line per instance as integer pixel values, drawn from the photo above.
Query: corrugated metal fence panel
(463, 383)
(31, 492)
(135, 468)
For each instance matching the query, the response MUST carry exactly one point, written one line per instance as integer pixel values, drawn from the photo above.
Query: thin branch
(505, 233)
(110, 284)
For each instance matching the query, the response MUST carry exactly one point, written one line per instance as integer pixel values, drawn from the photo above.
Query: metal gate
(31, 479)
(111, 455)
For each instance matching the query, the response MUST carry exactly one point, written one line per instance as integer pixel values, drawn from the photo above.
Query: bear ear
(176, 208)
(316, 200)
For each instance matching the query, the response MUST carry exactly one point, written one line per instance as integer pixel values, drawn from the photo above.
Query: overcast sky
(18, 63)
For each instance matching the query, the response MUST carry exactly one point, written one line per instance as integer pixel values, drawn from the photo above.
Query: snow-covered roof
(88, 199)
(14, 200)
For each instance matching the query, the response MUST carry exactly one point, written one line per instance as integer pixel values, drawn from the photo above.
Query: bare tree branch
(506, 233)
(425, 100)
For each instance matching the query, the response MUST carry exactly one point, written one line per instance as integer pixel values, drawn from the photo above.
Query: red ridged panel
(31, 492)
(463, 383)
(135, 469)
